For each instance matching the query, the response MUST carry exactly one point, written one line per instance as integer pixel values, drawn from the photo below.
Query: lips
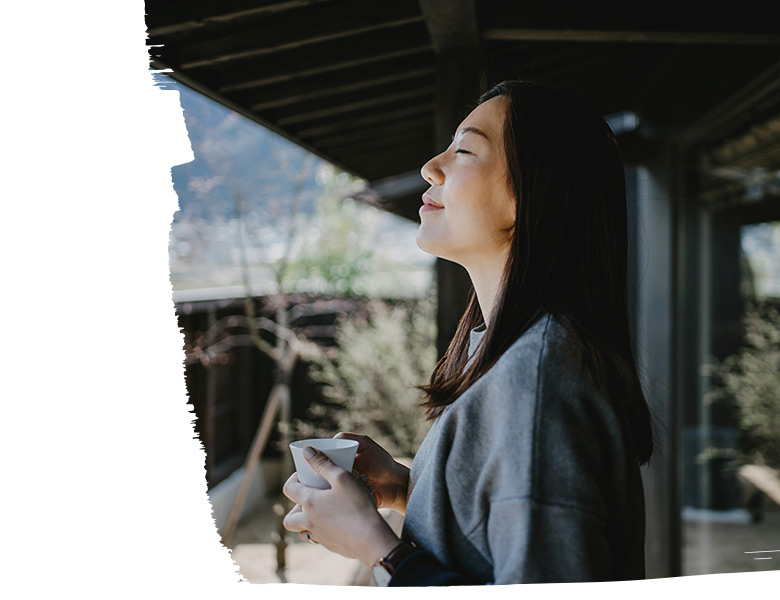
(429, 203)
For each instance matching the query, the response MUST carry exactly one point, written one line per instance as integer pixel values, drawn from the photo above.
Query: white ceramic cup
(342, 452)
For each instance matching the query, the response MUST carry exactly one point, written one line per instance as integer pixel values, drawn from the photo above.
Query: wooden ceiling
(355, 81)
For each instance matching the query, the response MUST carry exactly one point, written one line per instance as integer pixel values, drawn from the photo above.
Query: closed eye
(462, 151)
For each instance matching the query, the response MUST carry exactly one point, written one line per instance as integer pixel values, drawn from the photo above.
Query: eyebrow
(472, 130)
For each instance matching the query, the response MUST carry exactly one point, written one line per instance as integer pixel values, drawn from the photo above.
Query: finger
(296, 519)
(294, 489)
(363, 440)
(322, 465)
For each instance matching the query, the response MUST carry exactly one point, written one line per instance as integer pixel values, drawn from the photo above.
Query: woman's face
(468, 213)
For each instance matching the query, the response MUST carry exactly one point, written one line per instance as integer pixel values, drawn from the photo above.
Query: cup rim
(342, 443)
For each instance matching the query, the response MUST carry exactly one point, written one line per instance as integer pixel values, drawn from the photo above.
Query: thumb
(321, 463)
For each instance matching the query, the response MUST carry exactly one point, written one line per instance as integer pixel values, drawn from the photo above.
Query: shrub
(750, 380)
(368, 381)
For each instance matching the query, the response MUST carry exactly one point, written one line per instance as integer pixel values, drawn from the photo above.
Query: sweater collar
(475, 335)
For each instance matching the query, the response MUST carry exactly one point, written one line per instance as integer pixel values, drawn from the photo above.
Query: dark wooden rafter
(353, 122)
(279, 70)
(365, 75)
(271, 38)
(362, 104)
(757, 148)
(394, 142)
(628, 36)
(732, 113)
(401, 160)
(394, 160)
(351, 98)
(452, 24)
(355, 85)
(182, 17)
(398, 185)
(362, 135)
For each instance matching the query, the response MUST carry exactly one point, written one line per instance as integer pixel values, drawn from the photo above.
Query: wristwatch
(384, 568)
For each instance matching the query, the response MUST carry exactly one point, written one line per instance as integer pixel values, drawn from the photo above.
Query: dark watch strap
(396, 555)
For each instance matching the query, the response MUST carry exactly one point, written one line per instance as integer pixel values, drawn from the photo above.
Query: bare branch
(207, 355)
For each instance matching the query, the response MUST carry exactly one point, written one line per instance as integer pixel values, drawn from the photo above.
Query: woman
(530, 471)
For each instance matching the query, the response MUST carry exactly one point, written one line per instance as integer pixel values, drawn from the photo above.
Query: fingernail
(309, 452)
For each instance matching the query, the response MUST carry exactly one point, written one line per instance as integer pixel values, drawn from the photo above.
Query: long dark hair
(568, 256)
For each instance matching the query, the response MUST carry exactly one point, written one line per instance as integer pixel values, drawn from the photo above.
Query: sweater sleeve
(421, 569)
(546, 542)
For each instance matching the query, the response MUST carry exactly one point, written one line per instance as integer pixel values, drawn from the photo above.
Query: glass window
(731, 437)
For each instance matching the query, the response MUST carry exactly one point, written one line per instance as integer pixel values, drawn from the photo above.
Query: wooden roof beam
(368, 133)
(395, 140)
(351, 123)
(239, 46)
(628, 36)
(222, 18)
(396, 186)
(452, 24)
(345, 108)
(290, 74)
(734, 111)
(323, 92)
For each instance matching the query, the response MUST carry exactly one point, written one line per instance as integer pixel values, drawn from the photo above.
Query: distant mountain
(236, 199)
(236, 157)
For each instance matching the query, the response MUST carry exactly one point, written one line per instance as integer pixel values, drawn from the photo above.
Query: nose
(431, 171)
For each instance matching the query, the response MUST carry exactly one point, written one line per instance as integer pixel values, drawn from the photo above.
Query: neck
(486, 279)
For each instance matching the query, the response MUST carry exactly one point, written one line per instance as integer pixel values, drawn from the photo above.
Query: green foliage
(333, 257)
(369, 383)
(750, 379)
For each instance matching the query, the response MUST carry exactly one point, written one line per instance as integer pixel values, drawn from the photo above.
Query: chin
(424, 243)
(431, 247)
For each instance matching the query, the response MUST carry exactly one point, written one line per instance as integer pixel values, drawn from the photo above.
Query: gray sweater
(528, 476)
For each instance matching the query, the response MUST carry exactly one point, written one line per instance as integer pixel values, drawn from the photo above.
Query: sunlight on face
(469, 211)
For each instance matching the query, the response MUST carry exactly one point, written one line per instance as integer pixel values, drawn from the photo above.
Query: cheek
(504, 214)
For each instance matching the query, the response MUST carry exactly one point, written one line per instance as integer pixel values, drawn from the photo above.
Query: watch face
(381, 576)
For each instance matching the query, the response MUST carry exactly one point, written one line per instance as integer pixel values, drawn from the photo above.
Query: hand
(343, 518)
(388, 479)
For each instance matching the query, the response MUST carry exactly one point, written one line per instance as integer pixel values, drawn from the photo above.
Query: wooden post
(655, 318)
(258, 445)
(458, 89)
(452, 25)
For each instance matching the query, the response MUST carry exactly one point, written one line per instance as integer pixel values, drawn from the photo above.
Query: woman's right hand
(388, 479)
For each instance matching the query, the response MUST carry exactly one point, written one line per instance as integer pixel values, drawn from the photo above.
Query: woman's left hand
(344, 518)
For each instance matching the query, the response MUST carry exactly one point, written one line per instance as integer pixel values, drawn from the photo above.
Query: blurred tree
(750, 381)
(333, 257)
